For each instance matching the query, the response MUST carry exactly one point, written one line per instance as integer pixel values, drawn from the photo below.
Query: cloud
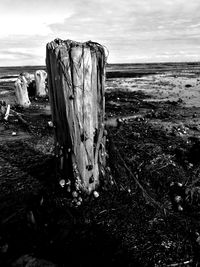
(132, 30)
(194, 25)
(132, 23)
(21, 51)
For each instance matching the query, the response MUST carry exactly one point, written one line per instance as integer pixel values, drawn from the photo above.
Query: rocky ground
(147, 212)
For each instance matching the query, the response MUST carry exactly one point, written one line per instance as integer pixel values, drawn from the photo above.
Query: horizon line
(124, 63)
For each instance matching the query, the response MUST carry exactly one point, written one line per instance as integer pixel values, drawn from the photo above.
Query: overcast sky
(134, 31)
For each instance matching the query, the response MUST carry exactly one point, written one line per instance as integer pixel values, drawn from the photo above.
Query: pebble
(194, 115)
(96, 194)
(50, 123)
(74, 194)
(180, 208)
(80, 199)
(78, 203)
(178, 199)
(62, 183)
(68, 189)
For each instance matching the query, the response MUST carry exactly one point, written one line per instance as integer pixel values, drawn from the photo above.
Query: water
(117, 70)
(13, 72)
(161, 81)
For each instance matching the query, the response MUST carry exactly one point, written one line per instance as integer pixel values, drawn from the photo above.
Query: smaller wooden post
(40, 79)
(31, 86)
(21, 92)
(76, 76)
(29, 77)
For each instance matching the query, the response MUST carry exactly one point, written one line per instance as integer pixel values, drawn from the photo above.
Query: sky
(133, 31)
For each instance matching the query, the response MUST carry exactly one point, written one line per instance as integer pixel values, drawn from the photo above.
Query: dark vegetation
(153, 157)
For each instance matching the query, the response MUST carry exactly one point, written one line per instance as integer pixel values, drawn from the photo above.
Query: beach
(153, 124)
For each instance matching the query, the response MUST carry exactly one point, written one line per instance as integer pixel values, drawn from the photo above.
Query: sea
(117, 70)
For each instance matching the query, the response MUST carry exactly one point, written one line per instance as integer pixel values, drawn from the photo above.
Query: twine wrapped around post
(76, 77)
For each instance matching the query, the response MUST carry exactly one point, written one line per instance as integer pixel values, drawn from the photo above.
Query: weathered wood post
(21, 92)
(31, 86)
(76, 76)
(40, 80)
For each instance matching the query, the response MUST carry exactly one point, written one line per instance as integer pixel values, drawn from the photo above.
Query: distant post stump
(40, 80)
(21, 92)
(76, 78)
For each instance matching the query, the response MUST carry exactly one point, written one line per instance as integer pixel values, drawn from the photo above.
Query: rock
(188, 85)
(96, 194)
(74, 194)
(136, 135)
(62, 182)
(194, 115)
(180, 100)
(78, 203)
(119, 122)
(50, 123)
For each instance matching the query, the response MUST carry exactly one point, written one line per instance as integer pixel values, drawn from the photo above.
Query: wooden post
(31, 86)
(76, 76)
(21, 92)
(40, 80)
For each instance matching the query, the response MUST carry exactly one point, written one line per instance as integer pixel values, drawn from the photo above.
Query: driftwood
(18, 115)
(40, 80)
(21, 92)
(76, 74)
(7, 112)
